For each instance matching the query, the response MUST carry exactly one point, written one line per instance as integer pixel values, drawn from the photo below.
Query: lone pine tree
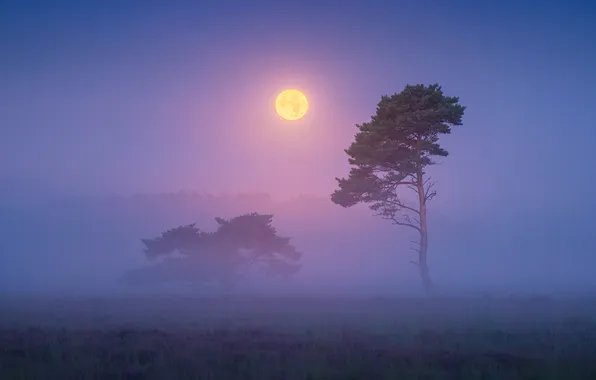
(392, 152)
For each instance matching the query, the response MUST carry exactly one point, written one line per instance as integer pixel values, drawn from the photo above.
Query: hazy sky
(144, 97)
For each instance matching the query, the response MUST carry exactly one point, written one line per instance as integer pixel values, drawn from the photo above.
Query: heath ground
(297, 338)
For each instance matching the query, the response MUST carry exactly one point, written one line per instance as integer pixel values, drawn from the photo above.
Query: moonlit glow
(291, 105)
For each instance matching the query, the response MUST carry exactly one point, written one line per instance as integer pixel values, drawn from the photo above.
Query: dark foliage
(222, 256)
(393, 150)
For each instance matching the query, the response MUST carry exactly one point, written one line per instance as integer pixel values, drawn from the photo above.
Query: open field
(297, 338)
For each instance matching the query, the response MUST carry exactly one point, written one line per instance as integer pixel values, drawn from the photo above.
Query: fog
(64, 245)
(121, 121)
(145, 100)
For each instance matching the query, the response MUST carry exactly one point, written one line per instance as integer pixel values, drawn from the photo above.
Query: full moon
(291, 105)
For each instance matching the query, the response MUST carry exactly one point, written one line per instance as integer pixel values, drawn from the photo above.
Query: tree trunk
(423, 251)
(422, 260)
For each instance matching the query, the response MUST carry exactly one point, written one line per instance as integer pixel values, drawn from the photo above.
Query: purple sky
(114, 98)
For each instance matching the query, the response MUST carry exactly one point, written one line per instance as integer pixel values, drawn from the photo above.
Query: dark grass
(175, 338)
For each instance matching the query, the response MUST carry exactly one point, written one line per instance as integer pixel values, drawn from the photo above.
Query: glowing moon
(291, 105)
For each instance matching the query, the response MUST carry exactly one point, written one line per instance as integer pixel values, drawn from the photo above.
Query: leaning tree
(220, 257)
(392, 152)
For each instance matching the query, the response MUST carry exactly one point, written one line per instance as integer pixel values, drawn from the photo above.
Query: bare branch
(398, 223)
(429, 193)
(400, 204)
(408, 219)
(430, 196)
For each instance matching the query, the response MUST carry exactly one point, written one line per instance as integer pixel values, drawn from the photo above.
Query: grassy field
(259, 338)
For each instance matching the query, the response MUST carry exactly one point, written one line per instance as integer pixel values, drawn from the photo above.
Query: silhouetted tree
(392, 151)
(222, 256)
